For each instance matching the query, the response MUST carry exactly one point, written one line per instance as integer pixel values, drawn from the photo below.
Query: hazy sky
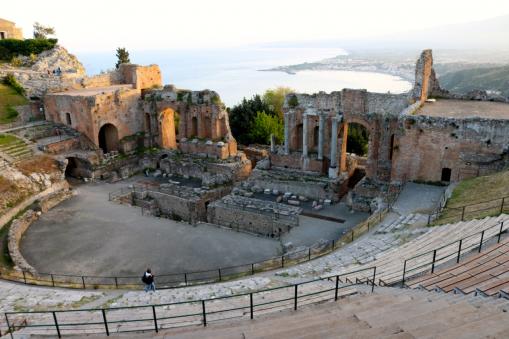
(101, 25)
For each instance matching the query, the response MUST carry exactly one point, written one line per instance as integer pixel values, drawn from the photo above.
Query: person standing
(148, 280)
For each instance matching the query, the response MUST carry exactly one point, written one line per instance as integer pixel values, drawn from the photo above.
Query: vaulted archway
(108, 138)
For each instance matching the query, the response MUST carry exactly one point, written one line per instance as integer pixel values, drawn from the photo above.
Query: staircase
(387, 313)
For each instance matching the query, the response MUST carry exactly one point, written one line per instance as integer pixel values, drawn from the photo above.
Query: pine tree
(122, 56)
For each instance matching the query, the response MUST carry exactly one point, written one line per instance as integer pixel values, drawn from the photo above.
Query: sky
(102, 25)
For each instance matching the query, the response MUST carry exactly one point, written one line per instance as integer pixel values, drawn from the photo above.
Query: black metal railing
(419, 265)
(461, 213)
(172, 280)
(204, 311)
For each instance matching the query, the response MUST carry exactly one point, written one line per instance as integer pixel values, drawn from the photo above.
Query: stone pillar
(321, 132)
(342, 164)
(287, 134)
(305, 136)
(272, 143)
(333, 172)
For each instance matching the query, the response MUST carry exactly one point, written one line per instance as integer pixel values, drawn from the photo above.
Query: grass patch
(483, 194)
(7, 139)
(8, 99)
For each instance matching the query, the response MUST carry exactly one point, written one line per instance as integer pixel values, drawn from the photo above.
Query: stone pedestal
(305, 136)
(321, 131)
(333, 171)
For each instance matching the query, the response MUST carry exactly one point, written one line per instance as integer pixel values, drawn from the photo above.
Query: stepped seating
(390, 263)
(486, 273)
(387, 313)
(399, 224)
(16, 149)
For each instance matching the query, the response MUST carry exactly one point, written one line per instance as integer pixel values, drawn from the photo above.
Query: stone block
(294, 202)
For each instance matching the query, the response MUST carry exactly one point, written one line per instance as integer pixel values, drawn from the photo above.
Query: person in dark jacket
(148, 280)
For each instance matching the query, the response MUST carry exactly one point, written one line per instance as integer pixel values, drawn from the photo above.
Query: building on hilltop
(8, 30)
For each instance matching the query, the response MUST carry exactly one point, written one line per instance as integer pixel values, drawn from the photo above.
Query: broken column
(333, 172)
(305, 135)
(287, 134)
(321, 131)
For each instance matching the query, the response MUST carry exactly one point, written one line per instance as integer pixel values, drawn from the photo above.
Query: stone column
(305, 136)
(321, 132)
(272, 143)
(342, 164)
(287, 134)
(333, 172)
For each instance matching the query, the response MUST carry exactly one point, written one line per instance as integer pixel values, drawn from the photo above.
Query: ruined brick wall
(466, 146)
(203, 125)
(141, 77)
(10, 30)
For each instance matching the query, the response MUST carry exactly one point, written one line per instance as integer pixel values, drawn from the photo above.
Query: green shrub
(293, 101)
(11, 81)
(263, 126)
(10, 48)
(16, 61)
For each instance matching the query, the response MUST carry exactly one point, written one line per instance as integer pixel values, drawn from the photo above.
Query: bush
(263, 126)
(11, 81)
(10, 48)
(16, 62)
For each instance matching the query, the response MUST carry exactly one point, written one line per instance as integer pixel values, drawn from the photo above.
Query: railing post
(24, 277)
(429, 219)
(500, 232)
(463, 213)
(480, 244)
(295, 298)
(52, 280)
(83, 281)
(204, 314)
(9, 326)
(333, 244)
(459, 251)
(105, 322)
(352, 235)
(282, 261)
(404, 273)
(155, 318)
(219, 271)
(185, 278)
(373, 282)
(336, 290)
(251, 304)
(252, 269)
(433, 264)
(309, 253)
(116, 282)
(56, 324)
(502, 205)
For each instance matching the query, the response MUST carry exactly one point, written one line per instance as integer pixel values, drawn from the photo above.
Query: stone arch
(194, 127)
(78, 168)
(108, 138)
(297, 137)
(316, 133)
(167, 129)
(148, 124)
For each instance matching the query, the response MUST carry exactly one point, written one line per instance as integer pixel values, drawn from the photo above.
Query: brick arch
(167, 128)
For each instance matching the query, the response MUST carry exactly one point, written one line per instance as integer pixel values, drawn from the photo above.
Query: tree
(275, 98)
(42, 32)
(263, 126)
(122, 56)
(243, 115)
(358, 138)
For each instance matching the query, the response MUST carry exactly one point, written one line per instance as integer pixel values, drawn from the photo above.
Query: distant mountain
(495, 79)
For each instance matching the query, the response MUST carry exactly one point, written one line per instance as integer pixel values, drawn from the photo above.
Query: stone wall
(261, 217)
(468, 147)
(20, 225)
(10, 31)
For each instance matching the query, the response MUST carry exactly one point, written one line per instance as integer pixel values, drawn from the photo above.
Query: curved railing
(172, 280)
(187, 313)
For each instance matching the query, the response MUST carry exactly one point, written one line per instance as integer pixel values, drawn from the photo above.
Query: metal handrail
(31, 322)
(457, 253)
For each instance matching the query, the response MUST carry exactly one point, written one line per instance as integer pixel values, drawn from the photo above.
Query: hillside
(9, 98)
(491, 78)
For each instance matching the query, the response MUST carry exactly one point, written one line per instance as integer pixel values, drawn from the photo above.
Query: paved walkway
(16, 297)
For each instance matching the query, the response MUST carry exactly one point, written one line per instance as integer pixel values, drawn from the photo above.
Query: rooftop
(465, 109)
(85, 92)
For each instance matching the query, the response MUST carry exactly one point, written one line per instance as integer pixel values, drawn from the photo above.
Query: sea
(236, 73)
